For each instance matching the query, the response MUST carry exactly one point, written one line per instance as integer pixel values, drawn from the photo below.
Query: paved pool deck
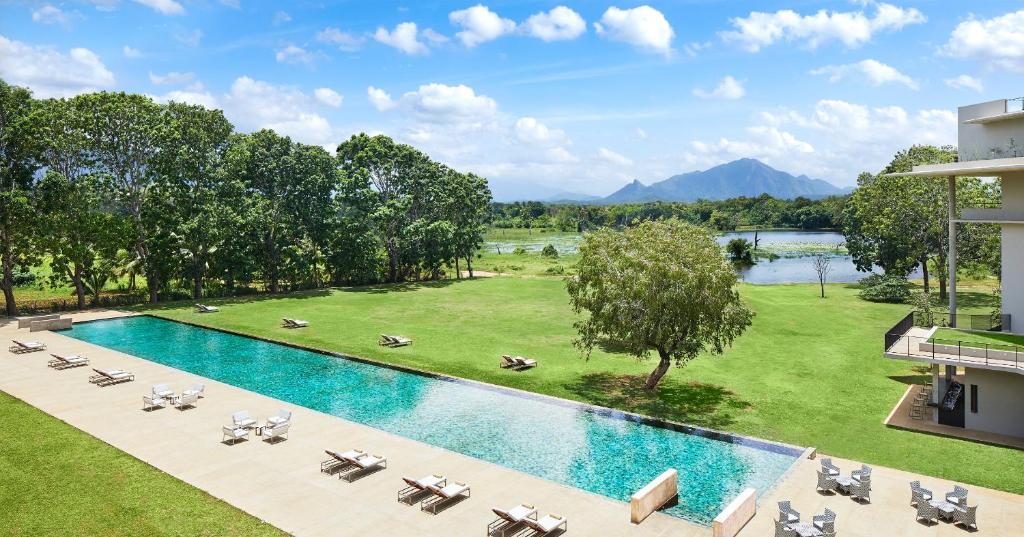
(282, 484)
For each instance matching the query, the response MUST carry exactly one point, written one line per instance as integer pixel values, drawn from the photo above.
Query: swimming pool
(597, 450)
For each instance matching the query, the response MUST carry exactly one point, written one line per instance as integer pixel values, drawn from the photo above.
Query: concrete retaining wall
(50, 324)
(740, 510)
(26, 322)
(653, 496)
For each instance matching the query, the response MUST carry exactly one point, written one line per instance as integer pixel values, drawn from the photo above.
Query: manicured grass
(810, 371)
(996, 339)
(58, 480)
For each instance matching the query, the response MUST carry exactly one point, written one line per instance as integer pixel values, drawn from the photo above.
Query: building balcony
(995, 214)
(935, 345)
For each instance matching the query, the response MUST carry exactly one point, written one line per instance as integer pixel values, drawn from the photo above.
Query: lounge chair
(928, 512)
(958, 496)
(966, 517)
(826, 483)
(444, 495)
(198, 389)
(510, 520)
(163, 390)
(203, 308)
(524, 363)
(21, 347)
(66, 362)
(276, 433)
(787, 514)
(416, 486)
(109, 377)
(547, 525)
(783, 530)
(863, 473)
(339, 460)
(152, 402)
(861, 490)
(828, 467)
(234, 434)
(185, 400)
(283, 416)
(243, 420)
(364, 465)
(825, 523)
(295, 323)
(918, 494)
(507, 362)
(394, 341)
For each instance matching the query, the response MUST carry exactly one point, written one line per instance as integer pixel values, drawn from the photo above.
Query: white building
(977, 385)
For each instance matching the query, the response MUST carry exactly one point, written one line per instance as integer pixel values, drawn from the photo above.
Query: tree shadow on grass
(921, 375)
(695, 403)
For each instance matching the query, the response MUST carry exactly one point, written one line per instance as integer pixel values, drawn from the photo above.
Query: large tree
(18, 163)
(660, 286)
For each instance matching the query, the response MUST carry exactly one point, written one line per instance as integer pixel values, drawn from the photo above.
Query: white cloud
(294, 55)
(479, 24)
(728, 89)
(434, 37)
(254, 104)
(50, 14)
(51, 73)
(189, 38)
(104, 5)
(131, 52)
(403, 38)
(852, 28)
(612, 157)
(643, 27)
(876, 73)
(166, 7)
(440, 103)
(343, 40)
(561, 23)
(328, 96)
(966, 82)
(281, 17)
(201, 98)
(380, 99)
(997, 42)
(640, 133)
(234, 4)
(531, 131)
(172, 77)
(692, 49)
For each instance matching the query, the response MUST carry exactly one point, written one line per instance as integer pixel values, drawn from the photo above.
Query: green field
(58, 480)
(809, 371)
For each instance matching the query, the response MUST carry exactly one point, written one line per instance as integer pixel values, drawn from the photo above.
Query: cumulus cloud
(343, 40)
(852, 28)
(295, 55)
(966, 82)
(434, 36)
(403, 38)
(643, 27)
(189, 96)
(131, 52)
(440, 103)
(254, 104)
(728, 89)
(561, 23)
(612, 157)
(875, 72)
(328, 96)
(165, 7)
(172, 77)
(50, 72)
(50, 14)
(380, 99)
(479, 25)
(531, 131)
(997, 42)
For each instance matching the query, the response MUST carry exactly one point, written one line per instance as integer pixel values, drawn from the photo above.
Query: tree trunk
(458, 271)
(154, 288)
(392, 263)
(663, 365)
(469, 265)
(197, 285)
(8, 280)
(942, 288)
(821, 281)
(76, 279)
(924, 272)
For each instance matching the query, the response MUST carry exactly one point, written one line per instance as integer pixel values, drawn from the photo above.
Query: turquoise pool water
(600, 451)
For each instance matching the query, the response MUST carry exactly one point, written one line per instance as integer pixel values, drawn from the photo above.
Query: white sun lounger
(511, 519)
(203, 308)
(364, 464)
(107, 377)
(339, 460)
(20, 347)
(444, 495)
(65, 362)
(394, 341)
(295, 323)
(414, 486)
(547, 525)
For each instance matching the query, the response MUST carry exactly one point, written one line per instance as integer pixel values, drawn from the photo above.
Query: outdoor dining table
(806, 529)
(845, 483)
(946, 509)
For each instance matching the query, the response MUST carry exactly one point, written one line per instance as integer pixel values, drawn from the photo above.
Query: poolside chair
(283, 416)
(242, 420)
(863, 473)
(203, 308)
(547, 525)
(828, 467)
(364, 465)
(958, 496)
(233, 434)
(826, 483)
(510, 520)
(67, 362)
(861, 490)
(918, 494)
(198, 389)
(787, 514)
(444, 495)
(825, 523)
(783, 530)
(416, 486)
(185, 400)
(295, 323)
(339, 461)
(276, 433)
(967, 517)
(109, 377)
(507, 362)
(162, 390)
(524, 363)
(21, 347)
(928, 512)
(393, 341)
(152, 402)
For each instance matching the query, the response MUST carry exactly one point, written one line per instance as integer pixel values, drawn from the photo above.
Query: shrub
(23, 278)
(881, 288)
(556, 270)
(549, 251)
(740, 251)
(519, 251)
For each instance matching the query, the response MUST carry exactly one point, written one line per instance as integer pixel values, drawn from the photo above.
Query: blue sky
(543, 97)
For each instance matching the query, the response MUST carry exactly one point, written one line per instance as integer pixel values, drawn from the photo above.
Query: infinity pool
(592, 449)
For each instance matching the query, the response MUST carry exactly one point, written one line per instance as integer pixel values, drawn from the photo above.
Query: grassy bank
(58, 480)
(810, 371)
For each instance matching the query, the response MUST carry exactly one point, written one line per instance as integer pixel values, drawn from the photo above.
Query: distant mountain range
(743, 177)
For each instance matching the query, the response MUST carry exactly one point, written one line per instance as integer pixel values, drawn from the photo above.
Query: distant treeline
(724, 215)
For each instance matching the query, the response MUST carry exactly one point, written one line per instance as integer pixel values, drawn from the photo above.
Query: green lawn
(58, 480)
(997, 339)
(809, 371)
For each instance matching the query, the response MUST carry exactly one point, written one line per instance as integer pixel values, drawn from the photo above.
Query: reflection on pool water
(599, 451)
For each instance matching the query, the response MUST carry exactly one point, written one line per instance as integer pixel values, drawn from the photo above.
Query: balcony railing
(1015, 105)
(985, 322)
(967, 353)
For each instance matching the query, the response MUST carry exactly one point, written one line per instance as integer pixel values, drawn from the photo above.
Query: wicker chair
(826, 483)
(927, 512)
(966, 516)
(919, 495)
(958, 496)
(828, 467)
(782, 530)
(787, 514)
(826, 523)
(861, 490)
